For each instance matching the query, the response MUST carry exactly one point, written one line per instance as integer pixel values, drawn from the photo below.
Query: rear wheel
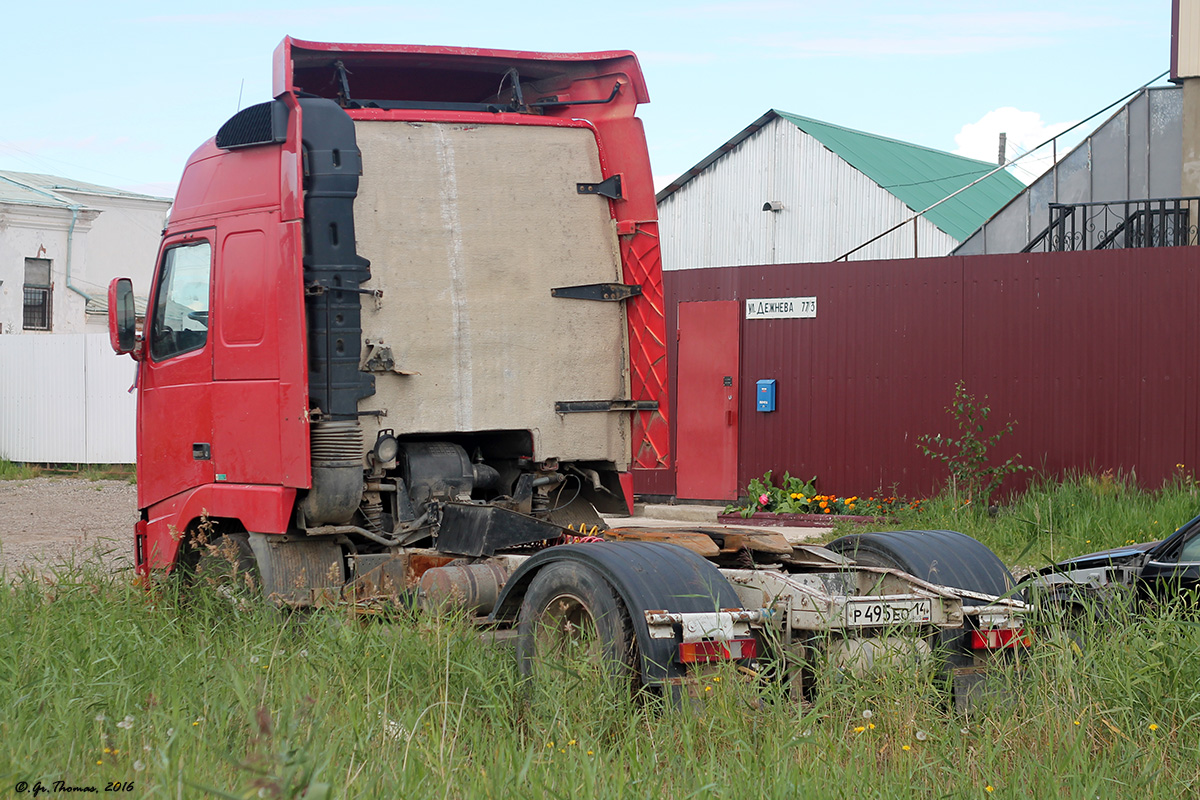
(571, 612)
(947, 558)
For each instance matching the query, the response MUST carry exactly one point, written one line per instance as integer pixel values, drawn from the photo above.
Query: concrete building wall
(121, 243)
(111, 237)
(716, 218)
(37, 232)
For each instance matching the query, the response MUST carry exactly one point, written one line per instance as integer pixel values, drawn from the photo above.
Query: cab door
(175, 377)
(249, 402)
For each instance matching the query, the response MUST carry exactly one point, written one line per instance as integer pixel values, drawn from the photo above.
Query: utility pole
(1003, 146)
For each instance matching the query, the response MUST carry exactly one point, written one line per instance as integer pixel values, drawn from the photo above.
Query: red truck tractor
(406, 336)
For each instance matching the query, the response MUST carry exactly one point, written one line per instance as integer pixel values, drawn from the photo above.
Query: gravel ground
(46, 522)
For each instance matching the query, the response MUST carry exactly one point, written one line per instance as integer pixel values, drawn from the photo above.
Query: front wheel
(571, 612)
(228, 564)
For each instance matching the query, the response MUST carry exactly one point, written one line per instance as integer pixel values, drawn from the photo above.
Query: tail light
(998, 638)
(714, 650)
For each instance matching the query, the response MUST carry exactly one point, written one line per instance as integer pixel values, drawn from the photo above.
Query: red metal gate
(1095, 355)
(707, 433)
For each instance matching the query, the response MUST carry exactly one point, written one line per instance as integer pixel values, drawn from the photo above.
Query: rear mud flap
(968, 686)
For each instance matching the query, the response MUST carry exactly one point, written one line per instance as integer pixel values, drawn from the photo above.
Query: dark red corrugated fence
(1094, 354)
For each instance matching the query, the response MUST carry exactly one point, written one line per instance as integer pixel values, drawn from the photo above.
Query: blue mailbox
(766, 395)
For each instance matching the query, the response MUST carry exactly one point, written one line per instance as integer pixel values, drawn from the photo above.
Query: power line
(935, 180)
(36, 159)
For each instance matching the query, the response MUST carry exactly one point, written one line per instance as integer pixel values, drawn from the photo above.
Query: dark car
(1154, 570)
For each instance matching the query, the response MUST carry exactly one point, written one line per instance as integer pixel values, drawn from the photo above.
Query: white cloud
(272, 17)
(890, 45)
(669, 57)
(929, 34)
(1024, 131)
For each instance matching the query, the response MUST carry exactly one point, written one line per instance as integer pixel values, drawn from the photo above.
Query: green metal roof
(919, 176)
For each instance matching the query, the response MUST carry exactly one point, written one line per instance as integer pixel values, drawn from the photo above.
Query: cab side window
(180, 322)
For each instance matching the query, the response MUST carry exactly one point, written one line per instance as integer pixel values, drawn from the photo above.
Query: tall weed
(185, 694)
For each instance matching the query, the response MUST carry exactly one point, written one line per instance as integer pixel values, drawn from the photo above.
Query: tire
(947, 558)
(229, 565)
(569, 611)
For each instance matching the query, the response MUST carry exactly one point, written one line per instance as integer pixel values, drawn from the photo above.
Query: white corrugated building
(789, 189)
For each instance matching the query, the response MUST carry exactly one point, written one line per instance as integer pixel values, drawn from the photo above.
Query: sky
(121, 93)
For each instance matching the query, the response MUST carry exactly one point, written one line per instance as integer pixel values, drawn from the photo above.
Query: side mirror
(122, 317)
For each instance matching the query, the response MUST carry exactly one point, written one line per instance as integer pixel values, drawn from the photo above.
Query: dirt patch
(46, 522)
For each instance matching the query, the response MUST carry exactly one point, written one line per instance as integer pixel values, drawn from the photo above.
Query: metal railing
(1161, 222)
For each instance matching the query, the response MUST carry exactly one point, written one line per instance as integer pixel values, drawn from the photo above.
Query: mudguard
(647, 576)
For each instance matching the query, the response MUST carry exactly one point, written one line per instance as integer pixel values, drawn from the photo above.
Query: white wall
(39, 232)
(65, 399)
(121, 243)
(113, 237)
(716, 219)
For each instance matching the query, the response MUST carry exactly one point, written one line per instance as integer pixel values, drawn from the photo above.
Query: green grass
(11, 471)
(1055, 520)
(181, 693)
(103, 681)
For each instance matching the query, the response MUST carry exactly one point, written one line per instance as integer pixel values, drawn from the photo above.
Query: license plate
(863, 613)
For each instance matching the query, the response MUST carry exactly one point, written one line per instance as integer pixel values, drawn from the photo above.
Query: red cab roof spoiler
(399, 75)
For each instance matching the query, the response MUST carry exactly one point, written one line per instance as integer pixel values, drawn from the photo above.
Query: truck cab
(420, 283)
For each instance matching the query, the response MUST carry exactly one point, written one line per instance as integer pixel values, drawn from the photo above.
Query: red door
(707, 423)
(175, 379)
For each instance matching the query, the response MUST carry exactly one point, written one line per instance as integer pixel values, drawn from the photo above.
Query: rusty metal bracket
(314, 289)
(584, 406)
(610, 187)
(378, 357)
(607, 292)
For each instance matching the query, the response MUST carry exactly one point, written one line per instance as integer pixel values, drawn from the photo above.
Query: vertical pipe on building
(74, 209)
(70, 242)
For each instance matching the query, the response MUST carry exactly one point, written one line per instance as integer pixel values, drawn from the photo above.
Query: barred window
(38, 295)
